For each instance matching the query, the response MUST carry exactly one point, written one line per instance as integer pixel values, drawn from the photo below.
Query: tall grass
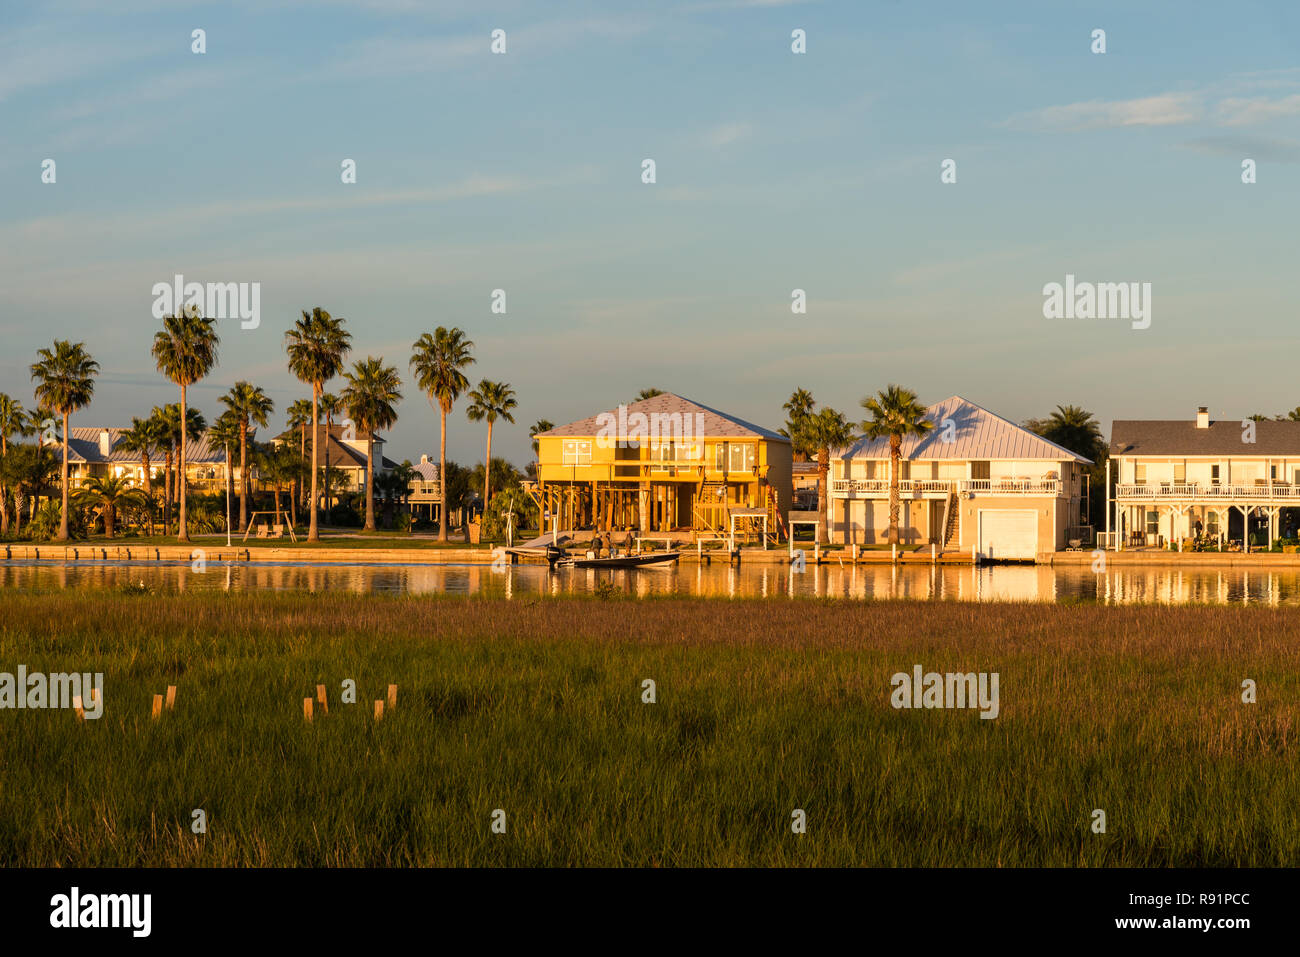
(535, 707)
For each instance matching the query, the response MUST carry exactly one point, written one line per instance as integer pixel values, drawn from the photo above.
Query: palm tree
(250, 406)
(300, 418)
(1074, 428)
(108, 494)
(437, 361)
(491, 401)
(13, 421)
(186, 351)
(228, 432)
(538, 427)
(648, 394)
(895, 413)
(799, 406)
(822, 432)
(331, 406)
(65, 383)
(372, 390)
(143, 438)
(169, 422)
(317, 345)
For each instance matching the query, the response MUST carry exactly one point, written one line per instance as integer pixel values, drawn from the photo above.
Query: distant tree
(822, 431)
(648, 394)
(109, 493)
(894, 413)
(250, 406)
(1073, 428)
(144, 439)
(491, 401)
(227, 433)
(185, 351)
(798, 407)
(372, 392)
(316, 345)
(16, 423)
(437, 361)
(65, 382)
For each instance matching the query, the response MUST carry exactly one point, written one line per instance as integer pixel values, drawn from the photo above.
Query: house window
(1140, 474)
(674, 451)
(735, 457)
(1212, 524)
(979, 470)
(1153, 522)
(1214, 475)
(577, 452)
(1272, 472)
(1180, 474)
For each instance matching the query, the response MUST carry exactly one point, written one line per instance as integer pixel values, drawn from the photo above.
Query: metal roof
(83, 447)
(1182, 437)
(978, 434)
(713, 424)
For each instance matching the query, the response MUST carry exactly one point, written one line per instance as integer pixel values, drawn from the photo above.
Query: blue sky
(775, 171)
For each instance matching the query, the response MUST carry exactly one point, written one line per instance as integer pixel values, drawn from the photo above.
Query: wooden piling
(392, 697)
(324, 701)
(379, 710)
(306, 709)
(157, 706)
(171, 697)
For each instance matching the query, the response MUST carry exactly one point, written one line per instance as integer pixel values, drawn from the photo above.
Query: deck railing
(916, 487)
(1166, 491)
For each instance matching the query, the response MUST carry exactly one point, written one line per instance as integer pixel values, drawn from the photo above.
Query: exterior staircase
(951, 517)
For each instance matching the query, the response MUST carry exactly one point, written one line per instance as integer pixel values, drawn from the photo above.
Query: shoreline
(83, 553)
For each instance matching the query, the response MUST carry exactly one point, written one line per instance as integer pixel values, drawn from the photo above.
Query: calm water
(987, 583)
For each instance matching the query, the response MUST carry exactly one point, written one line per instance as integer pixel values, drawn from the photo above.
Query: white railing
(1161, 491)
(997, 486)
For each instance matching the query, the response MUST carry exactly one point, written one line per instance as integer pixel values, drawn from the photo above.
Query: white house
(974, 481)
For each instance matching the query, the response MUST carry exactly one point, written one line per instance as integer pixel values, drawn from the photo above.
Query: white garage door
(1008, 535)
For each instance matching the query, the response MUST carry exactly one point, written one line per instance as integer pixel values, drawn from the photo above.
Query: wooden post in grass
(392, 697)
(306, 710)
(76, 706)
(379, 710)
(324, 701)
(157, 706)
(171, 697)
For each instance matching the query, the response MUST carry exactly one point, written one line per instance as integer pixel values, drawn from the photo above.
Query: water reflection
(1120, 585)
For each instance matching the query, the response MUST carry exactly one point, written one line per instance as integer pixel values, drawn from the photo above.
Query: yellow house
(664, 464)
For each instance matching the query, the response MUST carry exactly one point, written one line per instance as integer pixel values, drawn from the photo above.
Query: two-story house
(1183, 479)
(666, 464)
(974, 481)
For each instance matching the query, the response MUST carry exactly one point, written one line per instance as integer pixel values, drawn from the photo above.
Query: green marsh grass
(534, 706)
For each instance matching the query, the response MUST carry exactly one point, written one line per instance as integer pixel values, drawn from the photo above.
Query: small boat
(621, 561)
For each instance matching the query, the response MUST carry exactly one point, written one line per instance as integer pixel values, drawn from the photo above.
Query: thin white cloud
(1169, 109)
(726, 134)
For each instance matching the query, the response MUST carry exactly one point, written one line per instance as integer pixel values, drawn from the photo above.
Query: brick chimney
(105, 443)
(1203, 417)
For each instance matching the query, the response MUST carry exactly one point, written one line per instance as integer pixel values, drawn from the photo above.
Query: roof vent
(1203, 417)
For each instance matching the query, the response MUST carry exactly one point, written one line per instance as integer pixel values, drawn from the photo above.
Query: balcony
(1259, 491)
(939, 488)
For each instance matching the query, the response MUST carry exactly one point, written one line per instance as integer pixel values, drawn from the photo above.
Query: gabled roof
(713, 424)
(978, 434)
(83, 447)
(341, 454)
(1182, 437)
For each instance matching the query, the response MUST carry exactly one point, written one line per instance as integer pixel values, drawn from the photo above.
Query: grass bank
(535, 707)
